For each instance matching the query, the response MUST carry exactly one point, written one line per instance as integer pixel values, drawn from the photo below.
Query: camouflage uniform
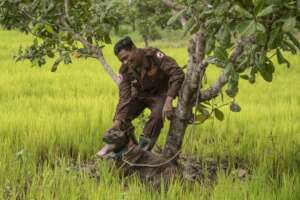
(147, 87)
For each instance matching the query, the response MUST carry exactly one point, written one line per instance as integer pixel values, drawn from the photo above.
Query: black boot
(146, 143)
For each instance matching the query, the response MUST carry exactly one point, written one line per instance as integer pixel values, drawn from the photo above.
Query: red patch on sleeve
(159, 55)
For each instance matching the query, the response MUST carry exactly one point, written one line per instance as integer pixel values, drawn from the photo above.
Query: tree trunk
(146, 40)
(192, 83)
(187, 96)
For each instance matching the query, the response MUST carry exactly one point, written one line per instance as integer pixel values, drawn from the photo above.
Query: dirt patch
(152, 168)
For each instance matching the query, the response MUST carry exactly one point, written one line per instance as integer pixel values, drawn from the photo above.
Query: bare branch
(214, 90)
(105, 65)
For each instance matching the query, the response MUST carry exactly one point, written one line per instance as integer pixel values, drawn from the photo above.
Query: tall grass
(50, 120)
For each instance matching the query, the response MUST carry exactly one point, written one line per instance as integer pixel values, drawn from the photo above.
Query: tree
(65, 28)
(145, 17)
(239, 37)
(236, 36)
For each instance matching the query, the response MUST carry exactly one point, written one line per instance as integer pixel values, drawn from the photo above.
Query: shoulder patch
(159, 55)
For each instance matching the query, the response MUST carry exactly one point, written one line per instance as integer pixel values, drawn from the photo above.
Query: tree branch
(215, 89)
(240, 48)
(105, 65)
(94, 50)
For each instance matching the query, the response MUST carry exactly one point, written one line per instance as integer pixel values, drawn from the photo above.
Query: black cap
(125, 43)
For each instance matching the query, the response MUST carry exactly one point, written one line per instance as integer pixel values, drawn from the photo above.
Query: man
(148, 79)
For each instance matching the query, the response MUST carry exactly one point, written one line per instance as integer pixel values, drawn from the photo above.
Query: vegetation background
(51, 126)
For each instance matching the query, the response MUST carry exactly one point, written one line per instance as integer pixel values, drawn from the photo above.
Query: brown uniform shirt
(159, 74)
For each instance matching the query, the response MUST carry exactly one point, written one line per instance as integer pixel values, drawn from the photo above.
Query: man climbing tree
(148, 79)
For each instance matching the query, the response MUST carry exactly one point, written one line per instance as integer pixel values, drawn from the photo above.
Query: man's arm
(176, 77)
(173, 71)
(124, 99)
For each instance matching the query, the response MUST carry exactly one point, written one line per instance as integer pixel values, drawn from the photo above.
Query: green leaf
(175, 17)
(224, 36)
(195, 28)
(243, 65)
(276, 37)
(270, 67)
(234, 107)
(35, 42)
(200, 118)
(201, 106)
(258, 5)
(56, 63)
(252, 77)
(265, 73)
(222, 8)
(281, 59)
(235, 76)
(261, 38)
(294, 40)
(67, 59)
(107, 38)
(221, 54)
(188, 26)
(49, 28)
(245, 76)
(290, 46)
(209, 45)
(266, 11)
(242, 11)
(228, 69)
(289, 24)
(260, 27)
(111, 4)
(247, 27)
(232, 90)
(219, 114)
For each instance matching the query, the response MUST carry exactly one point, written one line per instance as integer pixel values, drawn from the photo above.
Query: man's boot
(146, 143)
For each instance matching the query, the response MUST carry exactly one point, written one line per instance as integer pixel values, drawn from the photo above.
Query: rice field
(49, 121)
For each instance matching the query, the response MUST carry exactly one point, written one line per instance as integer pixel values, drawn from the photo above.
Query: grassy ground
(48, 119)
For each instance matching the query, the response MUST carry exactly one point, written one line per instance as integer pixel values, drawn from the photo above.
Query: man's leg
(135, 108)
(155, 123)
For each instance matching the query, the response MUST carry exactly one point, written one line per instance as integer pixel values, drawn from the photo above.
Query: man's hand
(167, 111)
